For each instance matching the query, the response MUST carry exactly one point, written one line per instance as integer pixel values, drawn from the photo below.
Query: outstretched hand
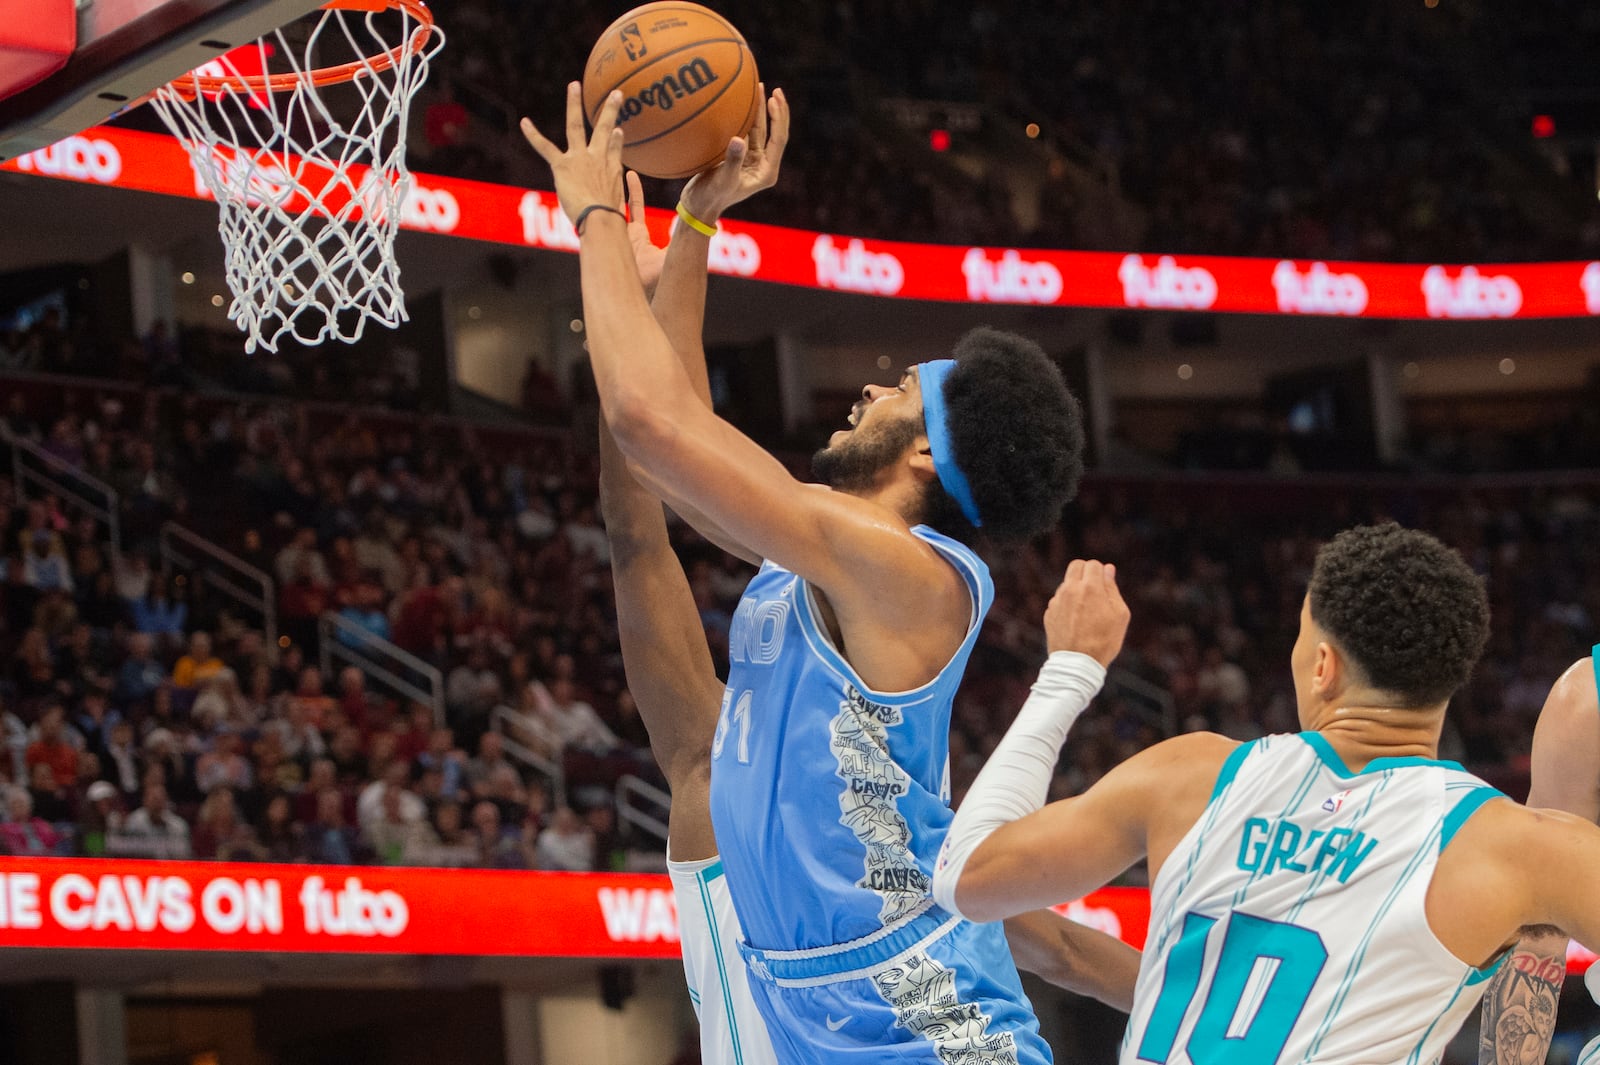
(586, 172)
(750, 165)
(1087, 613)
(646, 255)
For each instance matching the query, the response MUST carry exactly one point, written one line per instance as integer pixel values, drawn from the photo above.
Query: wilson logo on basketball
(855, 269)
(1011, 280)
(693, 76)
(1166, 285)
(544, 223)
(75, 157)
(1470, 294)
(1318, 291)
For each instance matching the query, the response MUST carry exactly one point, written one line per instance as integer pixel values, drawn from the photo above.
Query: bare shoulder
(1181, 767)
(1198, 755)
(1573, 700)
(1504, 835)
(1566, 745)
(1178, 776)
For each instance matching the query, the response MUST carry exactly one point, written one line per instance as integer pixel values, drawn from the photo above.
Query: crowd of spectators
(143, 716)
(1377, 131)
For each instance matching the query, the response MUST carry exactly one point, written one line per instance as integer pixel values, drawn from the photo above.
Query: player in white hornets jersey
(1331, 897)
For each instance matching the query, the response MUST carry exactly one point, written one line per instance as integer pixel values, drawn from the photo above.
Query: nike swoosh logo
(835, 1025)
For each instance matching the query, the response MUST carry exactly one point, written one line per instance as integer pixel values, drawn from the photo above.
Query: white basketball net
(310, 197)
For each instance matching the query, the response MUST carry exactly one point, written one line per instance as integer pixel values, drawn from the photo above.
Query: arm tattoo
(1519, 1007)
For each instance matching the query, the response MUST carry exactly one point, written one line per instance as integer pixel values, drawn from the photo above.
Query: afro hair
(1407, 609)
(1017, 434)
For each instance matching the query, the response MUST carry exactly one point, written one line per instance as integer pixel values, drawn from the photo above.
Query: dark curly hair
(1017, 433)
(1407, 609)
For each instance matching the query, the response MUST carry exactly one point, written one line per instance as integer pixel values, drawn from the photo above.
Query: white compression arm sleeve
(1016, 780)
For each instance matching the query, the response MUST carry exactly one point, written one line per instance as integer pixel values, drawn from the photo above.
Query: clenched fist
(1087, 613)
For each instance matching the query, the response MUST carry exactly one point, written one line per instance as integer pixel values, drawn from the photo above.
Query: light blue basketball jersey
(829, 800)
(1289, 927)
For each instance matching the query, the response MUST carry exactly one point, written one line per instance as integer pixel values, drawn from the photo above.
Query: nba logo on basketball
(633, 42)
(1334, 802)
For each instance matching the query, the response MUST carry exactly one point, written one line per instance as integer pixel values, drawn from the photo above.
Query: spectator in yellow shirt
(198, 664)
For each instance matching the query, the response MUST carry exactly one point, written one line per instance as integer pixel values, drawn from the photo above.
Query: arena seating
(145, 715)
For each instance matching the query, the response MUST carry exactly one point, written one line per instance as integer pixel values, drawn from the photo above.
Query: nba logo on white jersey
(1334, 803)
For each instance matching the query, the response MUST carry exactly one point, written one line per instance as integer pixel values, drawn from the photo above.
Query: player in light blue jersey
(1332, 897)
(1519, 1007)
(829, 784)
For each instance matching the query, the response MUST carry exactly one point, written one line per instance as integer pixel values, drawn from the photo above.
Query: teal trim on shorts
(1596, 654)
(712, 871)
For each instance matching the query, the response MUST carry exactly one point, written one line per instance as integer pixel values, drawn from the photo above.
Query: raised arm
(858, 552)
(1007, 852)
(664, 653)
(679, 303)
(1519, 1005)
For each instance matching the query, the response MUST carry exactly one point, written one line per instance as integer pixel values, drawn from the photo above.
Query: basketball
(688, 82)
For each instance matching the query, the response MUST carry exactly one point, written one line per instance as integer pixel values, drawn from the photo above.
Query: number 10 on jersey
(1255, 992)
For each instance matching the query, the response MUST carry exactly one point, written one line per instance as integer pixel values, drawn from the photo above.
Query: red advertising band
(84, 903)
(501, 214)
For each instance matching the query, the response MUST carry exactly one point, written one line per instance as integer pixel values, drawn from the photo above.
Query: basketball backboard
(125, 48)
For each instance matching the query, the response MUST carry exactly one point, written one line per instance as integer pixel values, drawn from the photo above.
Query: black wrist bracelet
(583, 215)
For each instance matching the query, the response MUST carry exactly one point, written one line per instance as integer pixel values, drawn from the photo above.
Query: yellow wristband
(695, 223)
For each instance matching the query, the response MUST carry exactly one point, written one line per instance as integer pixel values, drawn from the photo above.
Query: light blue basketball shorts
(935, 989)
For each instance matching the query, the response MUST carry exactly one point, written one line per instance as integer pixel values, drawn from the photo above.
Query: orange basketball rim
(191, 85)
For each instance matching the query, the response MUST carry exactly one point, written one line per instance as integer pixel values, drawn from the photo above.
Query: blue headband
(932, 376)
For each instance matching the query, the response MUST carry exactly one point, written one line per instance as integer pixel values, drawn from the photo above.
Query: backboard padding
(125, 49)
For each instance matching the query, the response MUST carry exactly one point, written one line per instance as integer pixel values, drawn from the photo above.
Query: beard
(856, 464)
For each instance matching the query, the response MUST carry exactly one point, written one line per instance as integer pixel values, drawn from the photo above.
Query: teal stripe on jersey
(1596, 653)
(1179, 981)
(722, 964)
(1429, 847)
(1230, 768)
(1213, 810)
(712, 871)
(1330, 758)
(1478, 976)
(1299, 796)
(1463, 809)
(1322, 875)
(1416, 1053)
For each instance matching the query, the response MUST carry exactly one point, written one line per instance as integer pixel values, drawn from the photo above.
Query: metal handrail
(261, 597)
(368, 655)
(1165, 712)
(107, 511)
(629, 786)
(502, 718)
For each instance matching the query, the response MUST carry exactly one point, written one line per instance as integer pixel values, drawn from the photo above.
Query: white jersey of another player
(731, 1029)
(1289, 926)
